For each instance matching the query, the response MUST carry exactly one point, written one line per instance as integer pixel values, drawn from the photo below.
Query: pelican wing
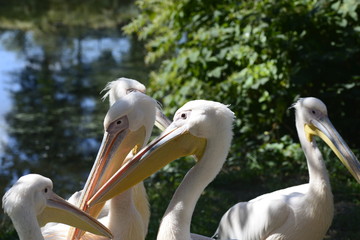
(262, 216)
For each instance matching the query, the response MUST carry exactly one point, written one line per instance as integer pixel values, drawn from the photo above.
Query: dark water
(60, 57)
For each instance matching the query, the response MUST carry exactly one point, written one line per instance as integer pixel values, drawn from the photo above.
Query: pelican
(129, 212)
(31, 202)
(299, 212)
(200, 128)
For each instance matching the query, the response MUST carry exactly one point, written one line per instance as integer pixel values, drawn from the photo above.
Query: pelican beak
(161, 121)
(114, 149)
(174, 143)
(112, 153)
(326, 131)
(59, 210)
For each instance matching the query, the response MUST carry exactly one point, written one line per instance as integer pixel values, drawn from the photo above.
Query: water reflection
(54, 126)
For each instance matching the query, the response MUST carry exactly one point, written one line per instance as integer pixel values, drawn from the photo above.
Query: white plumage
(31, 203)
(299, 212)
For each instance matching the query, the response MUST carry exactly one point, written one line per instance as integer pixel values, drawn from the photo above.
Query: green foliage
(258, 57)
(9, 234)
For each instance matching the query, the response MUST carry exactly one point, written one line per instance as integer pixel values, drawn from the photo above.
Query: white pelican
(200, 128)
(115, 91)
(128, 125)
(31, 203)
(299, 212)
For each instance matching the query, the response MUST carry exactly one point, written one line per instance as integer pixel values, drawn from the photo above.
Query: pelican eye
(313, 111)
(45, 190)
(130, 90)
(183, 115)
(118, 122)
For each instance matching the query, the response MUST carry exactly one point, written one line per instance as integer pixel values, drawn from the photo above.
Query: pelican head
(313, 114)
(121, 87)
(32, 196)
(127, 124)
(192, 132)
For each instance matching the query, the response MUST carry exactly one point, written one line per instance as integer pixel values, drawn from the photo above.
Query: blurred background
(257, 56)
